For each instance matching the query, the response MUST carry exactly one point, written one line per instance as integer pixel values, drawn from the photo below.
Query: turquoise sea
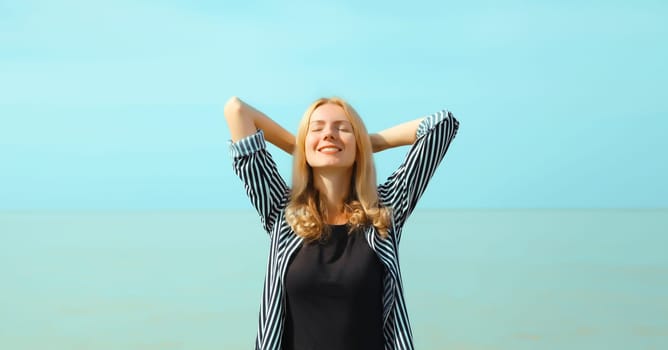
(474, 279)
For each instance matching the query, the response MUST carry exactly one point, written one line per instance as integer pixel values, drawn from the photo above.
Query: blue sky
(118, 105)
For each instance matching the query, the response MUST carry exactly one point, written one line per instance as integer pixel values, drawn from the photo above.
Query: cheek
(309, 145)
(352, 145)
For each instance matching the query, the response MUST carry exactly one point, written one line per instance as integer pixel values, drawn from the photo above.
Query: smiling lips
(329, 149)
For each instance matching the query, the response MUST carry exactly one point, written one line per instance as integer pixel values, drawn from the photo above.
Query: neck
(333, 184)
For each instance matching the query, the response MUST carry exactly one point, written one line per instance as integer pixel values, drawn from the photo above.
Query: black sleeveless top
(334, 295)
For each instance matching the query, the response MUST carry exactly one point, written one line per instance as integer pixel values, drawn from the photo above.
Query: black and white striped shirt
(270, 194)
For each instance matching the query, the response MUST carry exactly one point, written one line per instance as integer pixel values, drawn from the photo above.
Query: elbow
(233, 107)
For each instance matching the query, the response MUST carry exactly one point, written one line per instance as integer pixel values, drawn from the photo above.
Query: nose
(329, 133)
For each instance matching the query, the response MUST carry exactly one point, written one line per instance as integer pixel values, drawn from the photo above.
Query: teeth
(329, 149)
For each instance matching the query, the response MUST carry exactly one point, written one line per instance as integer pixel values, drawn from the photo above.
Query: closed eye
(339, 125)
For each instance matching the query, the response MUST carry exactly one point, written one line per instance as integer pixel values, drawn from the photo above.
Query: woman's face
(330, 140)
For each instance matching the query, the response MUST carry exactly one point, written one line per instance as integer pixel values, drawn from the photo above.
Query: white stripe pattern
(269, 194)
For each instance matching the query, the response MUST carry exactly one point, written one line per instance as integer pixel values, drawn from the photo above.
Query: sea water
(474, 279)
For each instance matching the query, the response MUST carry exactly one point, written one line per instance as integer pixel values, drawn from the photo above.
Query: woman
(333, 279)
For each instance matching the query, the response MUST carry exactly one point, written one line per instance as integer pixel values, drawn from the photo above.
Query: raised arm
(430, 138)
(244, 120)
(400, 135)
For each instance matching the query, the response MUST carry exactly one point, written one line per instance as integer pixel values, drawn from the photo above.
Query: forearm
(244, 120)
(400, 135)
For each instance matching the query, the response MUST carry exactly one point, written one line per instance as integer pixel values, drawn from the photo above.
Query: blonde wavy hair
(305, 212)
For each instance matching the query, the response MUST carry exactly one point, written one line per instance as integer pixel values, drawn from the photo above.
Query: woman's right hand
(244, 120)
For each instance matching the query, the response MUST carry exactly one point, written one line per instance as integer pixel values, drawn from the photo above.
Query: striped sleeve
(406, 185)
(265, 187)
